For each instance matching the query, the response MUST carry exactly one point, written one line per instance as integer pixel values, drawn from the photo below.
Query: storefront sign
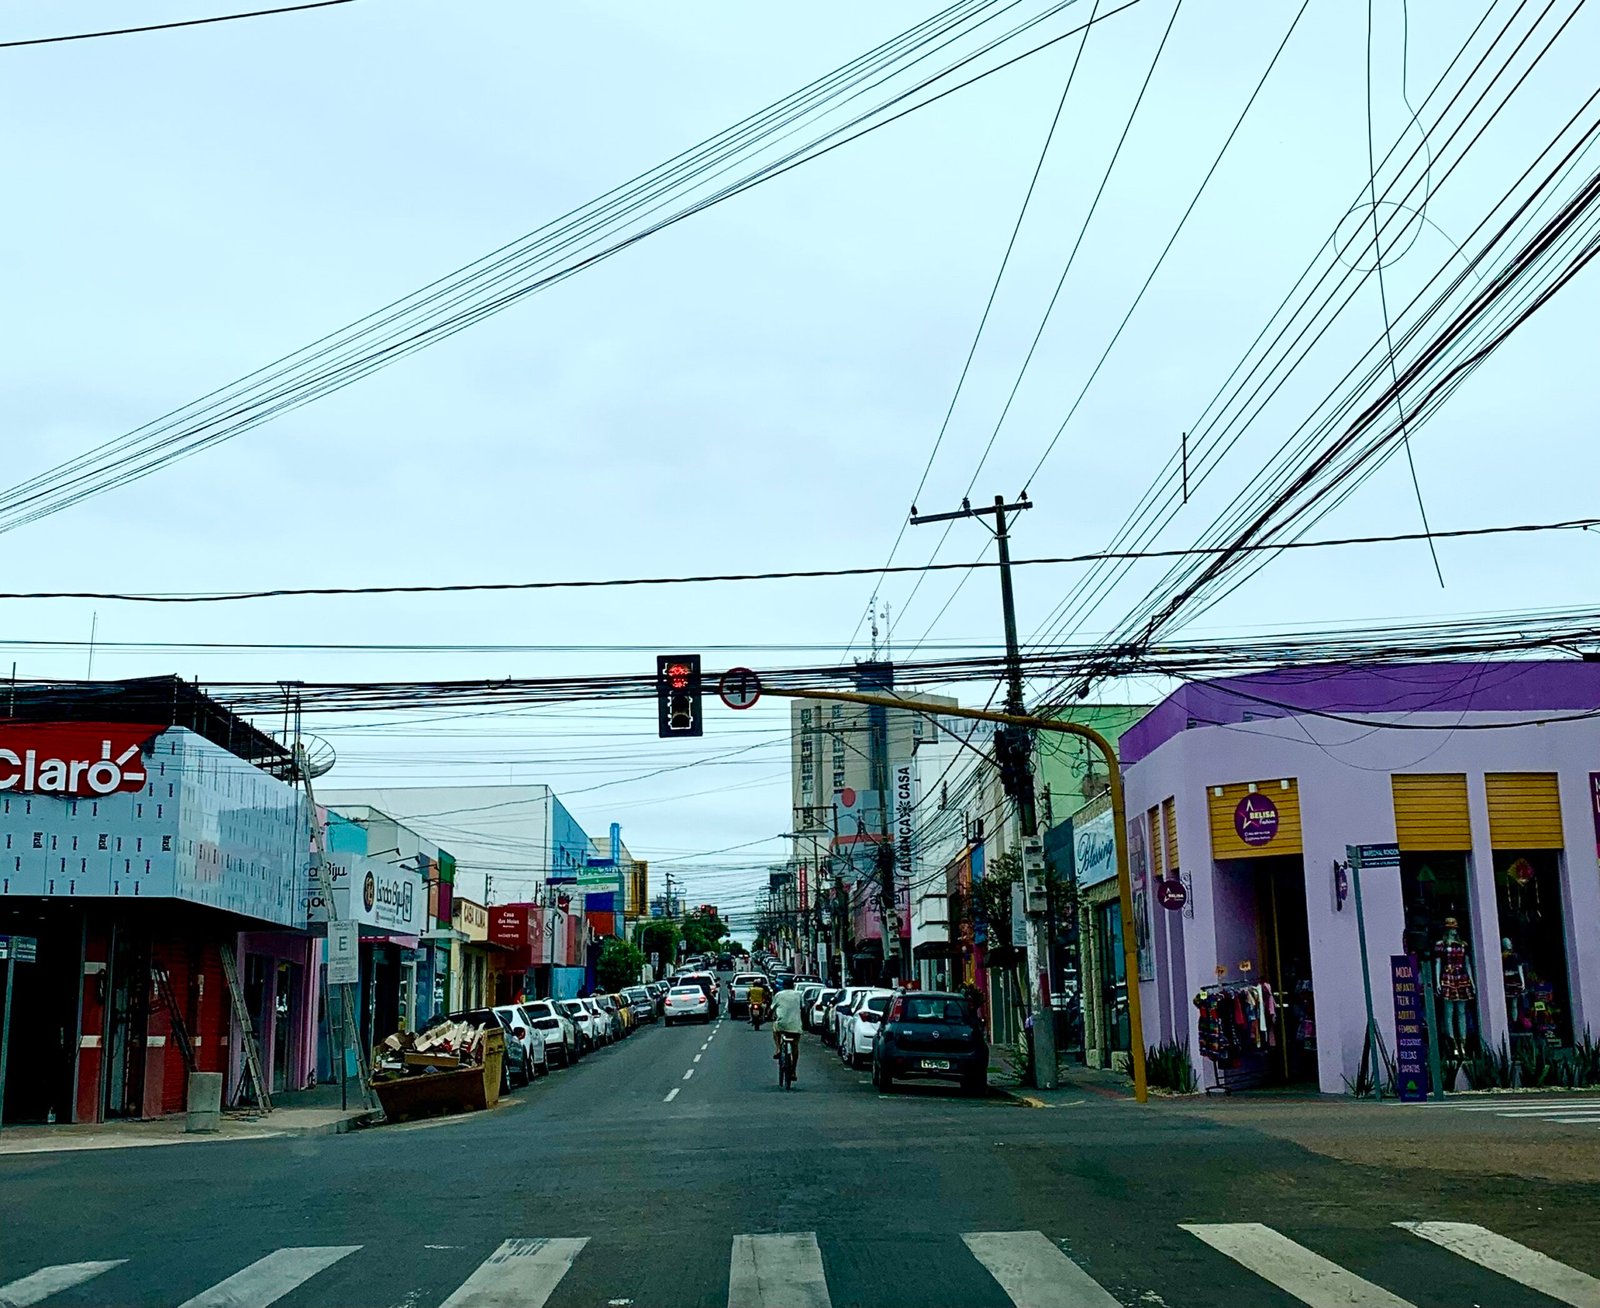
(392, 899)
(1139, 876)
(78, 759)
(471, 919)
(1255, 819)
(344, 958)
(1094, 846)
(1410, 1036)
(1171, 895)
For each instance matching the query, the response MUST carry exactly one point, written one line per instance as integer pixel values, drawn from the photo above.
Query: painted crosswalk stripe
(1034, 1273)
(519, 1274)
(1294, 1269)
(40, 1285)
(777, 1271)
(1526, 1266)
(268, 1279)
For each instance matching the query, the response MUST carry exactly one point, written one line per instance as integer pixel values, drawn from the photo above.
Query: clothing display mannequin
(1454, 983)
(1516, 978)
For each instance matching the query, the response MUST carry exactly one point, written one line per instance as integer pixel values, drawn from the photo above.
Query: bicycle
(787, 1056)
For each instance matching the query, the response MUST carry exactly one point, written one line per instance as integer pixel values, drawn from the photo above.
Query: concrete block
(205, 1102)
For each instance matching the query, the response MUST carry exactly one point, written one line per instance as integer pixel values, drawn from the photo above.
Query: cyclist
(786, 1022)
(757, 999)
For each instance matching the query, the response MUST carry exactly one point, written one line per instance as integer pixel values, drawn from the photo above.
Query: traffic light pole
(1119, 816)
(1018, 777)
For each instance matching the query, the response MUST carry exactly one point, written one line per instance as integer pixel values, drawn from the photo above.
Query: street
(671, 1170)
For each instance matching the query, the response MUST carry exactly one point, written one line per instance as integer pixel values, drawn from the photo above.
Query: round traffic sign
(739, 688)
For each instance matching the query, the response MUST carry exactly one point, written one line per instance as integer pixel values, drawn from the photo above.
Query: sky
(756, 388)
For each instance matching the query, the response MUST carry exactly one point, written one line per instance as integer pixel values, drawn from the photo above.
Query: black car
(931, 1034)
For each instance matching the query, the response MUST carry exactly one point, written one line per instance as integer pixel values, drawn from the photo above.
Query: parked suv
(643, 1006)
(928, 1033)
(590, 1032)
(559, 1030)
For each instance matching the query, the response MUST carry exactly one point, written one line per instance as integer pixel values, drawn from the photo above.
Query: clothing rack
(1238, 1026)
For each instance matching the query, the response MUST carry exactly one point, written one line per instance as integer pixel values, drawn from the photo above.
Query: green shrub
(1167, 1066)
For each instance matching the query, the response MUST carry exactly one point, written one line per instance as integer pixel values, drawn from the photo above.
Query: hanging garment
(1455, 980)
(1511, 969)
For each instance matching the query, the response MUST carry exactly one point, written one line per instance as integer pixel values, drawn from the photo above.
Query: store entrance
(40, 1080)
(1285, 952)
(127, 1022)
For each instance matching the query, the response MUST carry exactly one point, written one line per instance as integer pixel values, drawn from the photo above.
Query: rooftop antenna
(872, 613)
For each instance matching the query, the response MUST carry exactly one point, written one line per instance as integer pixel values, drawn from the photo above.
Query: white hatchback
(857, 1030)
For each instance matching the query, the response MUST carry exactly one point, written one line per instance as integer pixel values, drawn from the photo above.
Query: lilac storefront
(1249, 789)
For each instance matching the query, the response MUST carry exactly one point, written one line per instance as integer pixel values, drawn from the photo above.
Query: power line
(449, 588)
(164, 27)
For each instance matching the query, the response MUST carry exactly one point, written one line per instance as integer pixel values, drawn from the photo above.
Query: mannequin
(1516, 981)
(1454, 983)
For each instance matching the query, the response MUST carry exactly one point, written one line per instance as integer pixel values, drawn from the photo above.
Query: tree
(733, 946)
(659, 936)
(620, 965)
(702, 931)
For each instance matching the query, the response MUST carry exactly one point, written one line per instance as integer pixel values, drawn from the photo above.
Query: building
(1477, 787)
(151, 849)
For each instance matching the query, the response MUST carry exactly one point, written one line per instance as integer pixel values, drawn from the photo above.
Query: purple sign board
(1410, 1035)
(1256, 819)
(1171, 894)
(1594, 804)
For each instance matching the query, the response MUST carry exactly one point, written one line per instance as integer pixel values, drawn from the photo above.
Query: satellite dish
(320, 755)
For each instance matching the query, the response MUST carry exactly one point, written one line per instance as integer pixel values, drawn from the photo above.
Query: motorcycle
(758, 1015)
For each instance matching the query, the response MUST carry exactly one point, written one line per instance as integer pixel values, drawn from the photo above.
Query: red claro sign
(74, 759)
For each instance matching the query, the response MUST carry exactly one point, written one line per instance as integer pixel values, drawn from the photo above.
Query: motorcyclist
(758, 1003)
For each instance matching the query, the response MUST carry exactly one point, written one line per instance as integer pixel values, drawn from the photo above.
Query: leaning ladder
(252, 1050)
(180, 1032)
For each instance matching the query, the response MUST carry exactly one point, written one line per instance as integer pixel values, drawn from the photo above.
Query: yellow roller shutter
(1270, 819)
(1153, 818)
(1524, 810)
(1430, 810)
(1169, 815)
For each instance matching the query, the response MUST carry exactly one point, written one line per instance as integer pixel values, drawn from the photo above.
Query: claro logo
(78, 759)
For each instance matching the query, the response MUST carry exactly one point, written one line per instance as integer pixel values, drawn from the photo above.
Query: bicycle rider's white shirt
(786, 1011)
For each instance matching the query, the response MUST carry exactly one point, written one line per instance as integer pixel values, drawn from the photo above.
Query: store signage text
(76, 759)
(1255, 819)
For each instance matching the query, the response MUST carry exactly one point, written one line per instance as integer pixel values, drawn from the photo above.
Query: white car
(561, 1038)
(590, 1032)
(859, 1027)
(685, 1003)
(841, 1010)
(820, 1012)
(610, 1025)
(809, 994)
(532, 1038)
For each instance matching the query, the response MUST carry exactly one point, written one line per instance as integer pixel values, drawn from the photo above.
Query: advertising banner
(1094, 845)
(75, 759)
(1410, 1035)
(1139, 874)
(391, 899)
(1594, 807)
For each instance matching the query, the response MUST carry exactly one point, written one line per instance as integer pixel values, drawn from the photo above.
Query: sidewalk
(1075, 1084)
(297, 1113)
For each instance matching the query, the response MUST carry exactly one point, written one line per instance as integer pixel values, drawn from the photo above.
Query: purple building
(1479, 786)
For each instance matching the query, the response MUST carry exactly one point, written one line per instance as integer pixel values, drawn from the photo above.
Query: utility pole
(1012, 746)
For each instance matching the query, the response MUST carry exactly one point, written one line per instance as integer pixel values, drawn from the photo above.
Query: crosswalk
(1553, 1108)
(1028, 1269)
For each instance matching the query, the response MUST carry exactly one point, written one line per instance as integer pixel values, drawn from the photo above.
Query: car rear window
(878, 1004)
(951, 1012)
(692, 991)
(749, 980)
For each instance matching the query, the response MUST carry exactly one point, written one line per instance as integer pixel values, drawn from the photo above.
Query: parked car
(590, 1032)
(819, 1017)
(516, 1068)
(605, 1023)
(658, 994)
(640, 1001)
(808, 997)
(686, 1003)
(847, 1001)
(560, 1031)
(709, 984)
(931, 1033)
(536, 1061)
(739, 992)
(621, 1018)
(856, 1034)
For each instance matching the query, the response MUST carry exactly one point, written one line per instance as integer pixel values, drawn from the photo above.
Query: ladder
(252, 1050)
(180, 1032)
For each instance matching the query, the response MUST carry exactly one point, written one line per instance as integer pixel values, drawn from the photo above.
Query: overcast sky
(757, 388)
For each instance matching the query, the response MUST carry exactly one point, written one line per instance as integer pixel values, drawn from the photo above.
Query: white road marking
(1585, 1120)
(1034, 1273)
(673, 1094)
(698, 1057)
(41, 1284)
(268, 1279)
(777, 1271)
(688, 1074)
(519, 1274)
(1527, 1105)
(1521, 1264)
(1297, 1271)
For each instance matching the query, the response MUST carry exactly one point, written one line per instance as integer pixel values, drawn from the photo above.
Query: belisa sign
(78, 760)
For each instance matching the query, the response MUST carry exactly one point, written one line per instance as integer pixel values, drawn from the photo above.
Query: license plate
(936, 1064)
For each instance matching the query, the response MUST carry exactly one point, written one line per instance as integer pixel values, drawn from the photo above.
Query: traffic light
(678, 694)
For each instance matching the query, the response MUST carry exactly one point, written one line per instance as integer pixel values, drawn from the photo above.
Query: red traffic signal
(678, 695)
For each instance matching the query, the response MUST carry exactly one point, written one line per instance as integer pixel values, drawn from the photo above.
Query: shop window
(1439, 931)
(1534, 945)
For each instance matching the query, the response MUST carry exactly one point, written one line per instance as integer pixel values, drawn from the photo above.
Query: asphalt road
(671, 1170)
